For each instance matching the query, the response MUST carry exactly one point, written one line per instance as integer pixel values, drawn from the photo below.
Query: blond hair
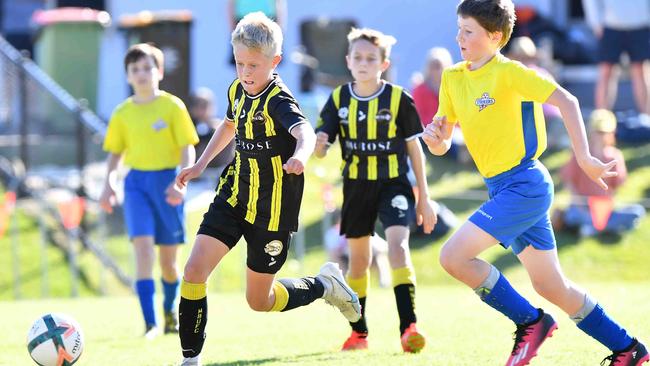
(377, 38)
(258, 31)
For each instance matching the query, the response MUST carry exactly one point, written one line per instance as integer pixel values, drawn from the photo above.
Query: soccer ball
(55, 340)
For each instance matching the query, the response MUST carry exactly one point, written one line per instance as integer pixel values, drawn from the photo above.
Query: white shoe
(191, 361)
(338, 293)
(151, 332)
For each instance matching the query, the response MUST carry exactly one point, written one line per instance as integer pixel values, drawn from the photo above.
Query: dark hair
(493, 15)
(141, 50)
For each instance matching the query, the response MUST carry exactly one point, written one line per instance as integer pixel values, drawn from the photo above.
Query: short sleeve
(114, 141)
(530, 84)
(182, 126)
(408, 118)
(230, 96)
(286, 112)
(445, 105)
(328, 121)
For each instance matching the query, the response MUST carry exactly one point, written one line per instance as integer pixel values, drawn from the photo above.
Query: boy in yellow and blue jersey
(497, 101)
(153, 131)
(378, 127)
(259, 192)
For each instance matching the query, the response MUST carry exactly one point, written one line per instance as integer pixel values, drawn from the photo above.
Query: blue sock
(506, 300)
(146, 290)
(170, 292)
(605, 330)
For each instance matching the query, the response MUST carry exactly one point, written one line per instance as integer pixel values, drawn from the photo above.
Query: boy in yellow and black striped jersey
(378, 128)
(258, 194)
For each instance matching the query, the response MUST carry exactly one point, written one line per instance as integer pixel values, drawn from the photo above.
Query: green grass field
(461, 330)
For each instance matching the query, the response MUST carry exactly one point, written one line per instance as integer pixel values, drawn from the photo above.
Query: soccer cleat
(412, 340)
(635, 355)
(338, 293)
(171, 322)
(529, 337)
(191, 361)
(151, 331)
(357, 341)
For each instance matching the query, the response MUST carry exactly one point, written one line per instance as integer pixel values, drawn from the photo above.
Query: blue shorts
(634, 42)
(517, 212)
(146, 212)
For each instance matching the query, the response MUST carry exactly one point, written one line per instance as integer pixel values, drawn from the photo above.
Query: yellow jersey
(150, 135)
(499, 111)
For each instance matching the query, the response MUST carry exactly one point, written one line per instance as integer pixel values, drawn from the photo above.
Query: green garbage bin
(67, 48)
(168, 30)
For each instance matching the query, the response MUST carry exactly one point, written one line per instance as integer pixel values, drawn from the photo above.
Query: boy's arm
(223, 134)
(437, 135)
(322, 144)
(107, 198)
(305, 142)
(220, 138)
(425, 214)
(188, 156)
(595, 169)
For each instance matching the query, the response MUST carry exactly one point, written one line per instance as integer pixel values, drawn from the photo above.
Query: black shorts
(266, 251)
(635, 42)
(364, 200)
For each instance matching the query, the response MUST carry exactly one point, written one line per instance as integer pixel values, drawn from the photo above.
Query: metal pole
(73, 237)
(22, 116)
(15, 256)
(45, 288)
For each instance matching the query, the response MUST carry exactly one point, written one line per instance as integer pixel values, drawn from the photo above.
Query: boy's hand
(107, 199)
(434, 133)
(321, 139)
(426, 215)
(596, 170)
(188, 174)
(293, 166)
(174, 194)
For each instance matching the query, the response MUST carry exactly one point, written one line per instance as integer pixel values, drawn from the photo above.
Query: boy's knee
(449, 261)
(193, 273)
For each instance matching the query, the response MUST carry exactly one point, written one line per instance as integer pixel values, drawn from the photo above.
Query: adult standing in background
(621, 27)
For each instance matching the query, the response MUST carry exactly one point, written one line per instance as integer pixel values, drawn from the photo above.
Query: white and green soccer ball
(55, 340)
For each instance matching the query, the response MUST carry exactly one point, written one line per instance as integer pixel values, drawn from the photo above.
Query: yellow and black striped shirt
(372, 131)
(254, 183)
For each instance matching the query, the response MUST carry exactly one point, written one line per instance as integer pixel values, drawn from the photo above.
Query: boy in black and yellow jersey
(378, 128)
(259, 193)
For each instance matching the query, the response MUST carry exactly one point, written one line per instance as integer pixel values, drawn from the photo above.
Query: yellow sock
(360, 285)
(281, 296)
(193, 291)
(403, 276)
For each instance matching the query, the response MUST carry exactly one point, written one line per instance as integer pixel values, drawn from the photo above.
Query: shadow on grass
(293, 359)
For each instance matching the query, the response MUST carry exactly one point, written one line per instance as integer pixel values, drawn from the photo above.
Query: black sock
(405, 299)
(192, 318)
(302, 291)
(360, 325)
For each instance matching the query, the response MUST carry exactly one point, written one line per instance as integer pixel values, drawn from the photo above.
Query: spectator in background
(602, 128)
(425, 96)
(621, 27)
(523, 49)
(202, 111)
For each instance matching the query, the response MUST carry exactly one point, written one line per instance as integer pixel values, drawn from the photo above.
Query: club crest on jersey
(159, 125)
(273, 248)
(259, 117)
(384, 115)
(343, 113)
(484, 101)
